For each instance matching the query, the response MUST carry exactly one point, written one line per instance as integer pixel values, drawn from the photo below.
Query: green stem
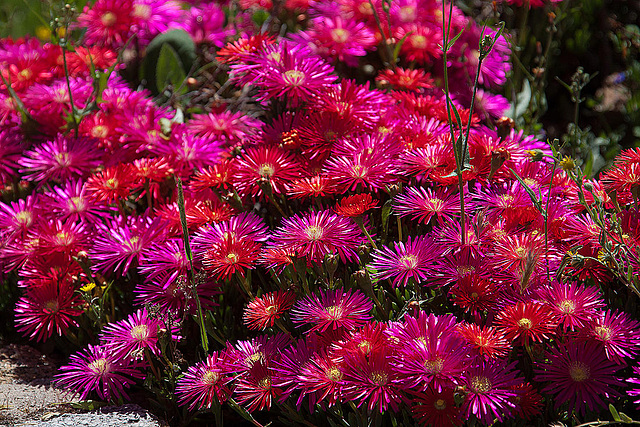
(191, 282)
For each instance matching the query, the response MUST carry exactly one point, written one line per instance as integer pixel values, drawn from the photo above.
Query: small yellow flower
(567, 164)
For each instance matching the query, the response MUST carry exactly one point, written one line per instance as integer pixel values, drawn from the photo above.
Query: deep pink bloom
(108, 22)
(489, 386)
(293, 76)
(436, 408)
(373, 380)
(579, 374)
(317, 234)
(264, 311)
(527, 322)
(205, 23)
(97, 369)
(47, 308)
(153, 17)
(61, 159)
(72, 202)
(204, 384)
(429, 351)
(128, 338)
(337, 38)
(333, 309)
(321, 379)
(255, 388)
(231, 127)
(264, 166)
(618, 333)
(424, 203)
(635, 380)
(164, 262)
(119, 246)
(573, 305)
(413, 260)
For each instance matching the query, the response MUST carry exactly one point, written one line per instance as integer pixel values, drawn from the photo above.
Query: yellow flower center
(379, 377)
(140, 332)
(266, 170)
(525, 323)
(434, 366)
(99, 366)
(314, 233)
(567, 306)
(480, 384)
(340, 35)
(210, 378)
(579, 371)
(294, 77)
(440, 404)
(334, 312)
(109, 19)
(333, 373)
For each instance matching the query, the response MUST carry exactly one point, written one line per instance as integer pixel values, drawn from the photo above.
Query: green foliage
(169, 58)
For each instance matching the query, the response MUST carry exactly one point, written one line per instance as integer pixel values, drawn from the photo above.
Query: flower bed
(295, 212)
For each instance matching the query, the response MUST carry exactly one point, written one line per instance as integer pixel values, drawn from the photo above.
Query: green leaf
(386, 211)
(260, 16)
(625, 418)
(534, 199)
(396, 49)
(168, 59)
(453, 40)
(88, 405)
(614, 413)
(169, 69)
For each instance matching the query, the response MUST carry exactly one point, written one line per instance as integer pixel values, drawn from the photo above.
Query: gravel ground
(112, 416)
(28, 398)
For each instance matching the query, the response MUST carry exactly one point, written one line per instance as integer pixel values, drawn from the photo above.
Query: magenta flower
(337, 38)
(424, 203)
(230, 127)
(117, 247)
(204, 384)
(128, 338)
(574, 306)
(153, 17)
(47, 308)
(490, 393)
(333, 309)
(72, 201)
(293, 76)
(579, 374)
(96, 369)
(430, 352)
(108, 23)
(317, 234)
(255, 388)
(272, 166)
(61, 159)
(205, 23)
(413, 260)
(616, 332)
(373, 380)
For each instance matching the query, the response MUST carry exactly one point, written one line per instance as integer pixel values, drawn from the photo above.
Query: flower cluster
(334, 216)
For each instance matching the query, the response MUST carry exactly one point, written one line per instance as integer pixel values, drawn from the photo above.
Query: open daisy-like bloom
(47, 308)
(262, 312)
(579, 374)
(317, 234)
(130, 337)
(527, 322)
(96, 369)
(333, 309)
(411, 260)
(489, 390)
(204, 384)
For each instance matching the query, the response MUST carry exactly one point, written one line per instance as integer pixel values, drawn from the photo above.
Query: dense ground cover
(322, 213)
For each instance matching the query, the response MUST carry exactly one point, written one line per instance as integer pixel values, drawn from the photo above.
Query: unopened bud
(504, 126)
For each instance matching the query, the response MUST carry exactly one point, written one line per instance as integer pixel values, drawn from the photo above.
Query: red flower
(530, 321)
(355, 205)
(263, 311)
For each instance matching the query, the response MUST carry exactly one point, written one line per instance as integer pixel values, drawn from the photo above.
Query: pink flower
(333, 309)
(96, 369)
